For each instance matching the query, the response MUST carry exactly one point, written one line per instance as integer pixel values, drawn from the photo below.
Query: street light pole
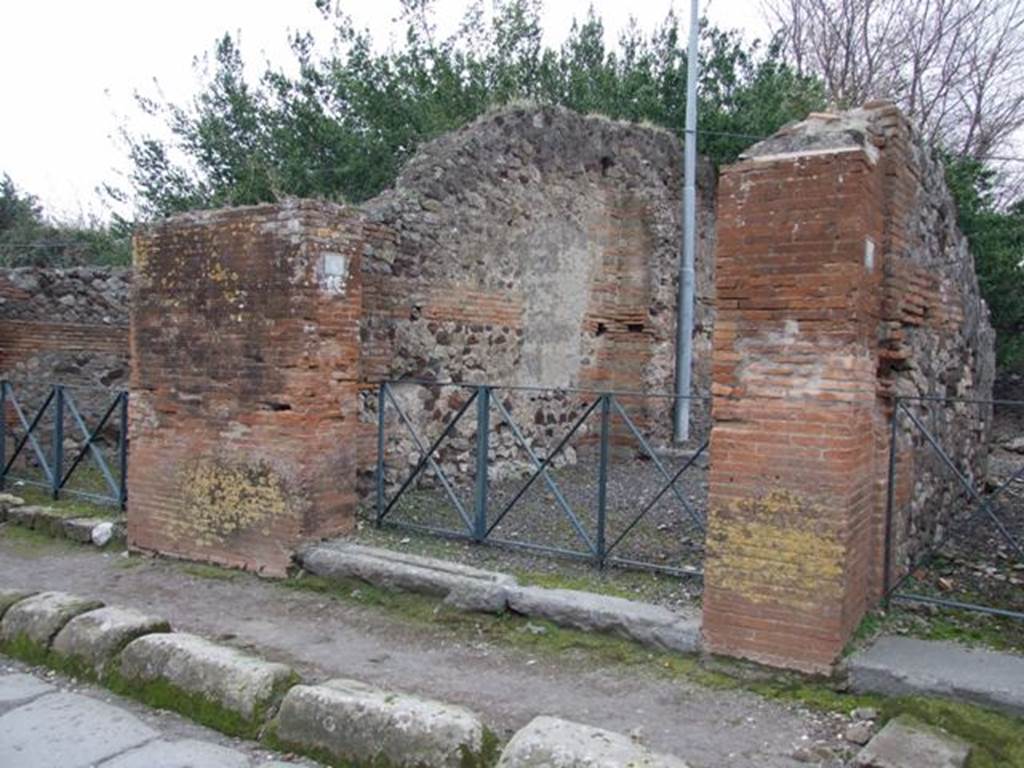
(684, 312)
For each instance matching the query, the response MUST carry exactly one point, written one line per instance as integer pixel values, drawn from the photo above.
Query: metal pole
(58, 440)
(891, 486)
(602, 481)
(483, 430)
(684, 310)
(381, 405)
(122, 450)
(3, 433)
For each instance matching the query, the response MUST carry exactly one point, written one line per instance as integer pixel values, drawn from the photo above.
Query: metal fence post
(122, 450)
(382, 393)
(58, 440)
(887, 544)
(483, 430)
(3, 433)
(602, 481)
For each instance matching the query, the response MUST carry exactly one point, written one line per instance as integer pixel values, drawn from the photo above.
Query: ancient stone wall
(245, 370)
(841, 281)
(535, 247)
(66, 326)
(936, 343)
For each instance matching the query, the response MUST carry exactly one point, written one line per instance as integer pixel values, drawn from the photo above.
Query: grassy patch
(207, 571)
(25, 541)
(970, 628)
(25, 649)
(66, 506)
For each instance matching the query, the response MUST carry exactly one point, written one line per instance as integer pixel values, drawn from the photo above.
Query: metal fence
(955, 510)
(576, 473)
(47, 442)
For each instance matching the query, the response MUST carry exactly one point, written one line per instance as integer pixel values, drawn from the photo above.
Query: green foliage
(342, 127)
(996, 237)
(29, 238)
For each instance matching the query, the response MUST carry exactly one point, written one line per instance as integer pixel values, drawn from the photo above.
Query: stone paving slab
(907, 743)
(354, 722)
(40, 617)
(647, 624)
(237, 682)
(95, 637)
(901, 666)
(19, 689)
(550, 742)
(67, 730)
(187, 753)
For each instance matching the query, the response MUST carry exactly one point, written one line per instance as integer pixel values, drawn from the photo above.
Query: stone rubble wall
(935, 341)
(65, 326)
(535, 247)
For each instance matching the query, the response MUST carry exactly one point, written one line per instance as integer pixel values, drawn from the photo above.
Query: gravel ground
(645, 521)
(979, 563)
(668, 535)
(508, 685)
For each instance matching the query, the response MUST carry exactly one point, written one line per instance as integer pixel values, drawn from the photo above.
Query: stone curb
(48, 521)
(385, 568)
(92, 640)
(649, 625)
(203, 673)
(903, 666)
(471, 589)
(36, 620)
(556, 743)
(356, 723)
(342, 720)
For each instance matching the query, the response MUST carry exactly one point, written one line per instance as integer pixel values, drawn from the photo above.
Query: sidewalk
(324, 637)
(46, 722)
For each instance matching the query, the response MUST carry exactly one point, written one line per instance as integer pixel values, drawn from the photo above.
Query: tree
(954, 66)
(29, 238)
(996, 237)
(344, 125)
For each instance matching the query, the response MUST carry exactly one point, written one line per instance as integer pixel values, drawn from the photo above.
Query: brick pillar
(245, 363)
(792, 522)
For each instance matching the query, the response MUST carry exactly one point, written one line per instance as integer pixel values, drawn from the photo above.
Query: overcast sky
(69, 68)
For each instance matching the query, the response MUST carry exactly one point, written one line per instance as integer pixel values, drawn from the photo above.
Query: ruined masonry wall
(533, 247)
(67, 326)
(245, 349)
(842, 281)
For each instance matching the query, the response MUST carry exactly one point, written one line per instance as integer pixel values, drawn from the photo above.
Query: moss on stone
(486, 757)
(23, 648)
(163, 695)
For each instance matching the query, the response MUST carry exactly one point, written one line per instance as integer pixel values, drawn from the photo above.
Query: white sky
(69, 68)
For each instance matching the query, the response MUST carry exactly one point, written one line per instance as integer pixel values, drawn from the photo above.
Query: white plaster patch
(869, 254)
(334, 273)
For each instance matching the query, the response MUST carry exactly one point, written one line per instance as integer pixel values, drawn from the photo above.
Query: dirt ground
(326, 637)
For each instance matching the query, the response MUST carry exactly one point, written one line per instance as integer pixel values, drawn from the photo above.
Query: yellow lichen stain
(221, 499)
(768, 551)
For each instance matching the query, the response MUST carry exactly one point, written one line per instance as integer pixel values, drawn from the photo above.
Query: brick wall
(826, 277)
(245, 370)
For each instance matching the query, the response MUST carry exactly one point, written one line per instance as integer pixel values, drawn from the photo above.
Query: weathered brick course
(245, 370)
(839, 284)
